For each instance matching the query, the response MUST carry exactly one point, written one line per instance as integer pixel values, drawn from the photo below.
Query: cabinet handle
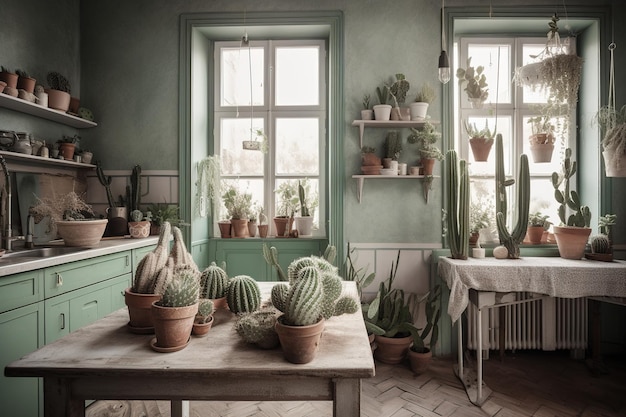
(62, 321)
(59, 280)
(127, 260)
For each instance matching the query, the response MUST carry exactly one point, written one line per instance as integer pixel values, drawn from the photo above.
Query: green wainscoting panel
(200, 254)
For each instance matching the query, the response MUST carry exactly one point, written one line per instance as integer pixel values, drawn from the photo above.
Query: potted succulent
(571, 236)
(239, 207)
(174, 314)
(420, 355)
(312, 296)
(162, 213)
(72, 218)
(139, 227)
(481, 140)
(601, 249)
(613, 125)
(59, 92)
(258, 327)
(476, 88)
(542, 138)
(9, 77)
(263, 226)
(204, 318)
(537, 224)
(382, 110)
(367, 113)
(423, 98)
(67, 146)
(286, 207)
(308, 203)
(425, 139)
(25, 81)
(606, 224)
(398, 91)
(393, 149)
(213, 283)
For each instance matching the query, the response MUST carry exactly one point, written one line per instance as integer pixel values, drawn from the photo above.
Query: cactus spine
(258, 327)
(569, 199)
(213, 282)
(457, 205)
(511, 240)
(600, 244)
(181, 291)
(243, 294)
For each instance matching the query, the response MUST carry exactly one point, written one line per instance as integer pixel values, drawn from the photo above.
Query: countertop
(106, 246)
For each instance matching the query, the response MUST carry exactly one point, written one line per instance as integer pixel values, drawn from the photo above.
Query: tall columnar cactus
(183, 290)
(213, 282)
(581, 216)
(106, 182)
(271, 257)
(179, 253)
(511, 240)
(152, 263)
(133, 191)
(457, 211)
(243, 294)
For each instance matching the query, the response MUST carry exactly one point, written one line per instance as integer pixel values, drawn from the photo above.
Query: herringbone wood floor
(528, 383)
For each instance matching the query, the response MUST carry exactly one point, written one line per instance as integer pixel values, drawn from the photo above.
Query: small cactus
(182, 290)
(258, 327)
(568, 199)
(136, 215)
(600, 244)
(243, 294)
(205, 311)
(213, 282)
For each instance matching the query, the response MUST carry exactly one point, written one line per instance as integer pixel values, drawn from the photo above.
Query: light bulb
(444, 67)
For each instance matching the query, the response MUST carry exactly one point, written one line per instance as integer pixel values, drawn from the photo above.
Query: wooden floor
(526, 383)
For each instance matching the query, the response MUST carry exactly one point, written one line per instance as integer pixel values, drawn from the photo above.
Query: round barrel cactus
(600, 244)
(243, 294)
(213, 282)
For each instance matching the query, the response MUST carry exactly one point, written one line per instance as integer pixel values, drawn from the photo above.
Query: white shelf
(29, 161)
(58, 116)
(362, 124)
(361, 179)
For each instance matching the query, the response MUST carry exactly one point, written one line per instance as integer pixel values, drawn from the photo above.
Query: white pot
(382, 111)
(367, 114)
(612, 167)
(304, 225)
(418, 110)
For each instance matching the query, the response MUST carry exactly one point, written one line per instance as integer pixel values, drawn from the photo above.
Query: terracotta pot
(392, 350)
(220, 303)
(281, 225)
(263, 230)
(59, 100)
(252, 228)
(371, 169)
(84, 233)
(172, 326)
(74, 105)
(139, 230)
(429, 165)
(155, 229)
(571, 241)
(240, 227)
(535, 233)
(541, 152)
(66, 150)
(420, 361)
(304, 225)
(473, 239)
(370, 159)
(9, 78)
(140, 311)
(201, 329)
(481, 147)
(299, 343)
(26, 83)
(225, 229)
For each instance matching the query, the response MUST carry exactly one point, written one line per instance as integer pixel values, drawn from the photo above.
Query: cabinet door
(118, 287)
(20, 289)
(89, 307)
(21, 332)
(57, 318)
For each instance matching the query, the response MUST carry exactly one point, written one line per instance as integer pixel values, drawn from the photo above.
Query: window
(277, 88)
(515, 107)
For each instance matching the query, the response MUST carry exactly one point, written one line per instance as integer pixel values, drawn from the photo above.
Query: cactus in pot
(204, 318)
(243, 294)
(213, 284)
(457, 212)
(258, 327)
(600, 244)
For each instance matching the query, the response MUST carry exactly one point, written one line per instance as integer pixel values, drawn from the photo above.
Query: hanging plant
(613, 125)
(208, 187)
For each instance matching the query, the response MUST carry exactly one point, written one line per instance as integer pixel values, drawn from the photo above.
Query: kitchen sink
(41, 252)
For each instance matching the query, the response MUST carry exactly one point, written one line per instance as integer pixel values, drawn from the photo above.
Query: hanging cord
(611, 101)
(443, 27)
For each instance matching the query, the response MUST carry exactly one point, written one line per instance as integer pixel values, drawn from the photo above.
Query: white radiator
(543, 323)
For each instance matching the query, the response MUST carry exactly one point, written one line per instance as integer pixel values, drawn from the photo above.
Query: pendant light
(444, 62)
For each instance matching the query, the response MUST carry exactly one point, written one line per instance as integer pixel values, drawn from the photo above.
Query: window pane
(530, 94)
(498, 82)
(542, 199)
(312, 197)
(236, 160)
(236, 72)
(251, 186)
(297, 76)
(297, 146)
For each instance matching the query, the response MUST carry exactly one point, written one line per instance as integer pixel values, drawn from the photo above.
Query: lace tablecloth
(552, 276)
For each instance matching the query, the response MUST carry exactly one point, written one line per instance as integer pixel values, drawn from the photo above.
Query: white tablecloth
(552, 276)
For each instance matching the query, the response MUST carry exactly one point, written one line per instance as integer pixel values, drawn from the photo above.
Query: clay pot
(571, 241)
(420, 361)
(429, 165)
(392, 350)
(84, 233)
(66, 150)
(201, 329)
(299, 343)
(59, 100)
(535, 233)
(172, 326)
(370, 159)
(263, 230)
(225, 227)
(240, 227)
(281, 225)
(74, 105)
(481, 147)
(9, 78)
(140, 311)
(26, 83)
(220, 303)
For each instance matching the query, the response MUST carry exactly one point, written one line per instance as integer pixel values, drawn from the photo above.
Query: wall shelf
(27, 163)
(394, 124)
(361, 179)
(58, 116)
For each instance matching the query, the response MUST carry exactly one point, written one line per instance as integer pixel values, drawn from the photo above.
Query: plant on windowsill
(286, 208)
(476, 88)
(308, 203)
(573, 233)
(537, 224)
(601, 249)
(481, 140)
(606, 223)
(239, 207)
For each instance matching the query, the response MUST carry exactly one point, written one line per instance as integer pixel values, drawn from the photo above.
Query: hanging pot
(542, 152)
(481, 147)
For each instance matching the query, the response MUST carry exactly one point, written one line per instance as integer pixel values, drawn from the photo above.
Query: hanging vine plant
(208, 186)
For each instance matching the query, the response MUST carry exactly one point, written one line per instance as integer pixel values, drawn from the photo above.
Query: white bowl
(388, 171)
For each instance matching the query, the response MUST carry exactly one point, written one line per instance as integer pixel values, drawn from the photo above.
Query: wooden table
(105, 361)
(488, 282)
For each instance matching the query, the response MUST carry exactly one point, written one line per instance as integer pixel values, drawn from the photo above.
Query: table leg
(460, 346)
(58, 401)
(179, 408)
(479, 355)
(347, 397)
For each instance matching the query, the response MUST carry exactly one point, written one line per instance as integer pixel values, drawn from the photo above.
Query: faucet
(7, 233)
(30, 226)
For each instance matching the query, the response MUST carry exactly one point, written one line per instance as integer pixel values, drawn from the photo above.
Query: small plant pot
(392, 350)
(225, 229)
(263, 230)
(201, 329)
(252, 228)
(481, 147)
(420, 361)
(535, 233)
(300, 344)
(571, 241)
(58, 100)
(240, 227)
(542, 152)
(418, 110)
(172, 326)
(26, 83)
(66, 150)
(139, 230)
(281, 225)
(140, 311)
(367, 114)
(382, 111)
(9, 78)
(304, 226)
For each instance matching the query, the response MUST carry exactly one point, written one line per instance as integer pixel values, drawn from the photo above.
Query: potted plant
(258, 141)
(67, 146)
(613, 125)
(398, 91)
(479, 219)
(258, 327)
(537, 224)
(239, 206)
(312, 296)
(393, 149)
(606, 224)
(476, 88)
(204, 318)
(370, 162)
(25, 81)
(542, 138)
(420, 355)
(481, 140)
(308, 203)
(367, 113)
(601, 249)
(213, 283)
(425, 139)
(287, 205)
(382, 110)
(162, 213)
(174, 314)
(389, 317)
(263, 226)
(9, 77)
(139, 227)
(571, 236)
(72, 218)
(423, 98)
(59, 92)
